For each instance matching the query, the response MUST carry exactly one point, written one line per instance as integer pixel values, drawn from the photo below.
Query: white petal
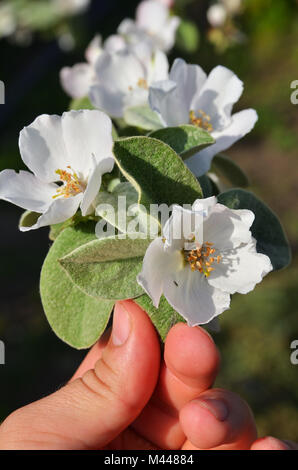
(118, 74)
(110, 101)
(119, 71)
(206, 203)
(157, 266)
(59, 211)
(160, 67)
(26, 191)
(226, 228)
(87, 133)
(220, 92)
(189, 78)
(42, 147)
(94, 50)
(167, 36)
(193, 298)
(77, 80)
(114, 43)
(172, 99)
(242, 123)
(151, 16)
(94, 182)
(163, 100)
(240, 270)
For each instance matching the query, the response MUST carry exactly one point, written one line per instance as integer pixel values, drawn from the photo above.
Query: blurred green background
(258, 330)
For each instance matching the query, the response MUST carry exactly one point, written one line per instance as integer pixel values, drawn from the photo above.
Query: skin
(125, 396)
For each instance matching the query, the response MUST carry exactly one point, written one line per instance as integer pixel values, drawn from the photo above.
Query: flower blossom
(153, 25)
(124, 78)
(203, 256)
(67, 156)
(189, 96)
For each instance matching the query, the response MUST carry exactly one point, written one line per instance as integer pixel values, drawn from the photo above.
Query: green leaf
(142, 116)
(188, 37)
(163, 317)
(266, 229)
(76, 318)
(28, 219)
(81, 103)
(206, 185)
(186, 140)
(156, 171)
(107, 268)
(56, 229)
(223, 166)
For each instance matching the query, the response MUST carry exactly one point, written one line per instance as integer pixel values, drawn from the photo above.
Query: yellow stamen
(200, 260)
(71, 184)
(200, 119)
(142, 83)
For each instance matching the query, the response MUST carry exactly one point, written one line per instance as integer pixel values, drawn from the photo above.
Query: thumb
(92, 410)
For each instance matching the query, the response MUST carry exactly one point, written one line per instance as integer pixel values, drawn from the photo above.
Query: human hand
(123, 396)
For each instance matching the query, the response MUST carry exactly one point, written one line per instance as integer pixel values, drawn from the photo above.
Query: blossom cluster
(184, 119)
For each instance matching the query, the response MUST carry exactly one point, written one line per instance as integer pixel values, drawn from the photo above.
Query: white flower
(153, 24)
(124, 78)
(75, 149)
(197, 273)
(77, 80)
(192, 97)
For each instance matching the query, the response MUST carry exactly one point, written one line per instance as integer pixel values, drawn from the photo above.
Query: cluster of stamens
(71, 184)
(200, 119)
(202, 258)
(142, 83)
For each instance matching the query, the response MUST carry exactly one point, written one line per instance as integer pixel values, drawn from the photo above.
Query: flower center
(200, 119)
(71, 184)
(202, 258)
(142, 83)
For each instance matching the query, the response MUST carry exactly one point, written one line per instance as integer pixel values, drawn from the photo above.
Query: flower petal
(87, 133)
(242, 123)
(59, 211)
(193, 298)
(94, 49)
(25, 190)
(77, 80)
(220, 92)
(226, 228)
(94, 182)
(42, 147)
(240, 270)
(157, 266)
(172, 98)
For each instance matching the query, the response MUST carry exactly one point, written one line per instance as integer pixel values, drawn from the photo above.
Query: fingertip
(269, 443)
(191, 354)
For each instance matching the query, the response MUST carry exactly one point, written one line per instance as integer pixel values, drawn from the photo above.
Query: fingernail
(121, 325)
(217, 407)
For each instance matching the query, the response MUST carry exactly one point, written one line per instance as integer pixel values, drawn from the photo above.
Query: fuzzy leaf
(266, 229)
(186, 140)
(76, 318)
(142, 116)
(163, 317)
(120, 209)
(223, 166)
(156, 171)
(107, 268)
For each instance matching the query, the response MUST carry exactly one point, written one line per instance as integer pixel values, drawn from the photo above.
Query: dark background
(257, 331)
